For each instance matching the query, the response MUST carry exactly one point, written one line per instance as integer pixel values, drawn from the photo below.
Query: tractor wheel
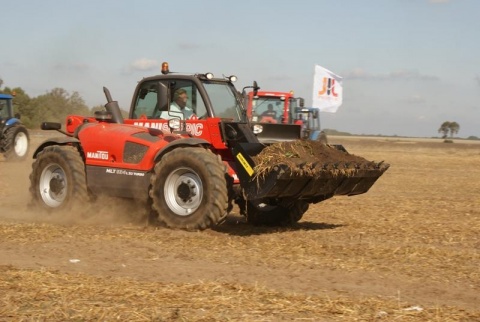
(189, 190)
(259, 213)
(58, 180)
(16, 143)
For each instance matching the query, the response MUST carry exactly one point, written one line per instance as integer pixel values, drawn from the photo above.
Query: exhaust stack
(112, 107)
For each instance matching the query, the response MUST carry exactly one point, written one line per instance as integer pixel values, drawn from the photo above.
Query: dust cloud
(16, 202)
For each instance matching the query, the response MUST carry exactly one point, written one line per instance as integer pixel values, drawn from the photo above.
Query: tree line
(53, 106)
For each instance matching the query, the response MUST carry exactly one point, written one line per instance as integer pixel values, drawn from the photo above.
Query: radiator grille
(134, 152)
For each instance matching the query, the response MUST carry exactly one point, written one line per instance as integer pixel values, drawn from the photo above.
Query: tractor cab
(309, 118)
(6, 107)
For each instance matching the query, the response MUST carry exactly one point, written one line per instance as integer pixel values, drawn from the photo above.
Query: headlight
(257, 129)
(174, 124)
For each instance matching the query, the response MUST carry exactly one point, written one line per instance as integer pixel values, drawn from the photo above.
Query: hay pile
(312, 158)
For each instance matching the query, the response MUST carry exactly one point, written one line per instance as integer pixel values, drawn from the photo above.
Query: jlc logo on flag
(327, 90)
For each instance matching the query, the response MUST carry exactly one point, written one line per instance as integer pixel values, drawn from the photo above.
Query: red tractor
(265, 108)
(188, 169)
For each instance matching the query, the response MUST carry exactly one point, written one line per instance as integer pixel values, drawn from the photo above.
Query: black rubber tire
(259, 213)
(58, 179)
(189, 190)
(17, 143)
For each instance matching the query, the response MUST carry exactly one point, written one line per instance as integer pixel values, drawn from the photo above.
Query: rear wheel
(58, 180)
(16, 143)
(189, 190)
(259, 213)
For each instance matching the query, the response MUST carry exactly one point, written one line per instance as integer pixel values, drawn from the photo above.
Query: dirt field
(408, 250)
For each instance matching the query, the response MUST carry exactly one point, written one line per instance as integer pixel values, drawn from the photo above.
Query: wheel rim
(53, 185)
(21, 144)
(183, 191)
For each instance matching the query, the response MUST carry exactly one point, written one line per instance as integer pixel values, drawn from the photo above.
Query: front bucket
(268, 133)
(313, 179)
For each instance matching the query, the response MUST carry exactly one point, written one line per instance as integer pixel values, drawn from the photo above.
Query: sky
(407, 66)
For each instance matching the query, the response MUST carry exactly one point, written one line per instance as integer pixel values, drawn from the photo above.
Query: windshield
(268, 109)
(224, 100)
(264, 105)
(4, 110)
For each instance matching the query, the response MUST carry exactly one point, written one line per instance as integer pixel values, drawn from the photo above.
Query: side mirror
(255, 88)
(301, 102)
(143, 93)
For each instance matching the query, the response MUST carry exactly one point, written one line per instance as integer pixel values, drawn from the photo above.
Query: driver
(270, 115)
(179, 103)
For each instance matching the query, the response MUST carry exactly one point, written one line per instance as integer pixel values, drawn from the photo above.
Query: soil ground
(407, 250)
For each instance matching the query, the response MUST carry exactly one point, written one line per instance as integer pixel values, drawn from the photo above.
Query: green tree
(444, 129)
(55, 105)
(449, 127)
(454, 127)
(97, 108)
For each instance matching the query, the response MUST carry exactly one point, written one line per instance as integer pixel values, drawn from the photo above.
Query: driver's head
(180, 97)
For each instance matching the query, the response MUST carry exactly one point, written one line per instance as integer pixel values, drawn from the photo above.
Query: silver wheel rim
(53, 185)
(183, 191)
(21, 144)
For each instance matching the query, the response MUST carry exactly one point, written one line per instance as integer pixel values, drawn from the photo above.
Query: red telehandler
(187, 172)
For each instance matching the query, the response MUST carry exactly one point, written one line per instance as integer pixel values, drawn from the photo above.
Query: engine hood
(121, 145)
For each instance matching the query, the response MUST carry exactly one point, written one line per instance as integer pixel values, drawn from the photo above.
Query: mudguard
(55, 141)
(12, 121)
(179, 142)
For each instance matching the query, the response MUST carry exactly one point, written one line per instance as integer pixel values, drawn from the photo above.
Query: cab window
(146, 102)
(186, 101)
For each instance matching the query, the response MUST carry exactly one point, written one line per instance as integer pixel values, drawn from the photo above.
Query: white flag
(327, 90)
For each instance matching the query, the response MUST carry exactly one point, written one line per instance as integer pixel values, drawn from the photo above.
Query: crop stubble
(407, 250)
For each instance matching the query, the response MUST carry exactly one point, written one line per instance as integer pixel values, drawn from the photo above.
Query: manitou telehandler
(188, 172)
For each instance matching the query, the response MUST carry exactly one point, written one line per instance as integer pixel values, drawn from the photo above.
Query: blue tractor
(14, 139)
(309, 118)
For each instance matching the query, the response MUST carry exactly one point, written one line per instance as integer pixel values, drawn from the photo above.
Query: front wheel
(260, 213)
(58, 180)
(189, 190)
(16, 143)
